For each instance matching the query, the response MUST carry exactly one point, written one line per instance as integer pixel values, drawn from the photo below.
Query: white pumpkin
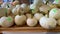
(31, 22)
(54, 13)
(6, 21)
(38, 15)
(14, 11)
(25, 8)
(20, 20)
(58, 22)
(34, 8)
(17, 6)
(48, 23)
(44, 9)
(17, 10)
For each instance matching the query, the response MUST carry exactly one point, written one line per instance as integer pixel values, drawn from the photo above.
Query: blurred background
(23, 1)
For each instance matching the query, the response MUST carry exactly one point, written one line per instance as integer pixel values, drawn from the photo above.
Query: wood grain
(29, 29)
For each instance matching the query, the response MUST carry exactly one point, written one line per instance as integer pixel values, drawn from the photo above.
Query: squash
(31, 22)
(6, 21)
(48, 23)
(25, 8)
(14, 11)
(54, 13)
(38, 16)
(20, 20)
(17, 6)
(44, 9)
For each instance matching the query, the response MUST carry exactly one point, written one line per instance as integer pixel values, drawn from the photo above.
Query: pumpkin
(6, 21)
(44, 9)
(20, 20)
(25, 8)
(48, 23)
(54, 13)
(38, 16)
(31, 22)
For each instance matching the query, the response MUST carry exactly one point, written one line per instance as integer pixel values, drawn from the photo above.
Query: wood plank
(29, 29)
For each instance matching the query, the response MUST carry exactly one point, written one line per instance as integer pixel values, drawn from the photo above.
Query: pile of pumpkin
(47, 15)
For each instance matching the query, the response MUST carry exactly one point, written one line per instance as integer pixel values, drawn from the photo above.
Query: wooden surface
(28, 29)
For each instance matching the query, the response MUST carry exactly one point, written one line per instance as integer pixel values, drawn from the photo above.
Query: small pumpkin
(6, 21)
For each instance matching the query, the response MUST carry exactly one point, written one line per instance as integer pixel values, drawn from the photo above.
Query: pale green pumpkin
(54, 13)
(6, 21)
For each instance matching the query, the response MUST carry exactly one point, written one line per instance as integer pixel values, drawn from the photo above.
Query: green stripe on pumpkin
(9, 19)
(54, 10)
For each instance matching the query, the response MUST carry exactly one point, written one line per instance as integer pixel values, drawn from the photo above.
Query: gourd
(17, 6)
(25, 8)
(44, 9)
(38, 16)
(14, 11)
(48, 23)
(54, 13)
(31, 22)
(6, 21)
(20, 20)
(19, 10)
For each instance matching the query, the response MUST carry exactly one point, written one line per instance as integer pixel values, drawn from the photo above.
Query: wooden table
(28, 29)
